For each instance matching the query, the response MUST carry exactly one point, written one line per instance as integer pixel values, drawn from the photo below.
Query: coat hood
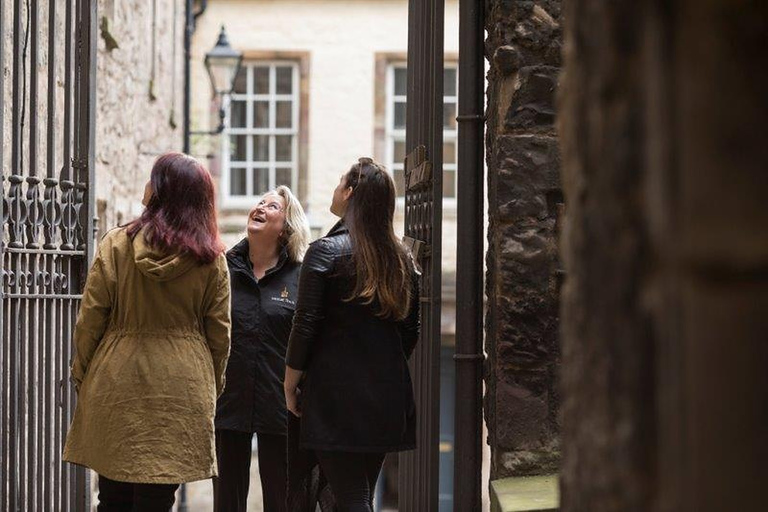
(156, 265)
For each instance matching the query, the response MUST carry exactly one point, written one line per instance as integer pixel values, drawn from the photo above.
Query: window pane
(283, 148)
(399, 152)
(261, 148)
(261, 80)
(449, 184)
(261, 114)
(399, 115)
(283, 177)
(449, 152)
(284, 80)
(241, 81)
(237, 149)
(237, 114)
(283, 114)
(449, 116)
(401, 81)
(449, 82)
(237, 182)
(260, 181)
(399, 177)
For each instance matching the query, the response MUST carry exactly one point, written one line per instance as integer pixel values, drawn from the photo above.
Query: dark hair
(181, 214)
(382, 264)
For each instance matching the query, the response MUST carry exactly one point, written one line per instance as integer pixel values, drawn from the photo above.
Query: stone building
(138, 99)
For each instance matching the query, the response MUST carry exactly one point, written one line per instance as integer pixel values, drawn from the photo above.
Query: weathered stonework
(138, 100)
(139, 94)
(525, 198)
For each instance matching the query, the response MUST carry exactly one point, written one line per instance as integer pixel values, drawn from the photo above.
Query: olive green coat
(152, 342)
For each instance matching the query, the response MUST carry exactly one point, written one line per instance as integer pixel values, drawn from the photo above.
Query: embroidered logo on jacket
(284, 297)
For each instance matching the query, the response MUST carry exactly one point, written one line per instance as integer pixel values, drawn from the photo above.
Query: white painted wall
(342, 38)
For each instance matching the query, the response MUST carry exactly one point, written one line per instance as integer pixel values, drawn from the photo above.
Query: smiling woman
(264, 269)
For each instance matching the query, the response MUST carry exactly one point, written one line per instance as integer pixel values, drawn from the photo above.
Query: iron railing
(419, 469)
(47, 171)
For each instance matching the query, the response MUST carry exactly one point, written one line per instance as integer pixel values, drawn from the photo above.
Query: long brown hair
(382, 264)
(181, 214)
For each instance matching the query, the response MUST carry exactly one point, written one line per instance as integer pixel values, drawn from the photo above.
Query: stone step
(531, 494)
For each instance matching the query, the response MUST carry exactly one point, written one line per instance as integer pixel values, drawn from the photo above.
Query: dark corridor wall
(665, 304)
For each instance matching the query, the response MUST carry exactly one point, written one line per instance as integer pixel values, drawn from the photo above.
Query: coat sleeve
(409, 327)
(310, 307)
(217, 321)
(95, 309)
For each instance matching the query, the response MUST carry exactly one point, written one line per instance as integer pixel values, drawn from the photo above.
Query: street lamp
(222, 63)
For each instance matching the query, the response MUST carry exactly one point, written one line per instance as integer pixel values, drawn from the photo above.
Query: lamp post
(222, 63)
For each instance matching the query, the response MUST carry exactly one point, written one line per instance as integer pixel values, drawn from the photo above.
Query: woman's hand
(292, 401)
(292, 391)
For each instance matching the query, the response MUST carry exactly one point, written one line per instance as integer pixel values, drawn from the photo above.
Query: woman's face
(341, 197)
(267, 218)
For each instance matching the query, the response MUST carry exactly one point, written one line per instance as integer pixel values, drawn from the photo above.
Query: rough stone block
(533, 27)
(521, 417)
(507, 59)
(529, 462)
(528, 177)
(533, 101)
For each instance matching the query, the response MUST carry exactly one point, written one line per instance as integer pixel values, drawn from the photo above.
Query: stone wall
(139, 100)
(139, 94)
(665, 306)
(522, 399)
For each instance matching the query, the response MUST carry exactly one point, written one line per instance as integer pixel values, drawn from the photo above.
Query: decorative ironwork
(44, 247)
(34, 212)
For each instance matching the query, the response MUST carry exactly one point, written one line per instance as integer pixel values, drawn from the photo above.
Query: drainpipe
(190, 20)
(469, 356)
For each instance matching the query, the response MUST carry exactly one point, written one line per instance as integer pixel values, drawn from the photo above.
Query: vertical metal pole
(4, 339)
(188, 28)
(419, 480)
(469, 261)
(14, 194)
(86, 156)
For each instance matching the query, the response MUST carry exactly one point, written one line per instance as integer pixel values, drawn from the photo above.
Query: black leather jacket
(356, 394)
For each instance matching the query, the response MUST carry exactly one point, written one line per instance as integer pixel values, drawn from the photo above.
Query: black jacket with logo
(262, 312)
(356, 394)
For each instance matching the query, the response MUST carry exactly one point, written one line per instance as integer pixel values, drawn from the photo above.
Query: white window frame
(393, 135)
(246, 201)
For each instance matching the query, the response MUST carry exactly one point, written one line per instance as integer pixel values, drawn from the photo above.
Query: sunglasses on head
(360, 163)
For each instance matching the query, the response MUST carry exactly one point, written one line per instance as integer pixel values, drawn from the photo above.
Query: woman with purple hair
(152, 342)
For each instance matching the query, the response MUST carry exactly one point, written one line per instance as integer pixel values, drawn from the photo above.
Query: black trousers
(127, 497)
(233, 451)
(352, 477)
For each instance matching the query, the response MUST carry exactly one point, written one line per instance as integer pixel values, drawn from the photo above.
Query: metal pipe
(469, 356)
(190, 21)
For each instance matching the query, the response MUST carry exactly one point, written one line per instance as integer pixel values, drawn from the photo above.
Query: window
(395, 127)
(261, 138)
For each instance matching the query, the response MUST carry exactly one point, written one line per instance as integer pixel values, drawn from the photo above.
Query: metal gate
(419, 470)
(47, 99)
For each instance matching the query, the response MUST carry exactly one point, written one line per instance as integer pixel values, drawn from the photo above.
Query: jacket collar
(338, 229)
(240, 259)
